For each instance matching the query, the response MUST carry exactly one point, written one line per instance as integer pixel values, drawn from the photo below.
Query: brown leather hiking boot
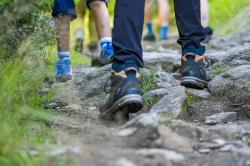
(194, 73)
(125, 94)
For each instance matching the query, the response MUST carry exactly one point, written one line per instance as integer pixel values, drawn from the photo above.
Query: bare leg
(148, 19)
(63, 65)
(148, 11)
(204, 13)
(101, 19)
(164, 12)
(63, 30)
(101, 16)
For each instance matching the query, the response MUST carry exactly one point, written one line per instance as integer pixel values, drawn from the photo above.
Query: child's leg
(63, 12)
(164, 14)
(148, 17)
(101, 15)
(205, 19)
(204, 13)
(63, 33)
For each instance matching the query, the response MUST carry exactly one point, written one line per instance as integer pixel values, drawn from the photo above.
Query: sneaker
(64, 71)
(164, 33)
(149, 37)
(125, 94)
(107, 53)
(194, 73)
(79, 45)
(208, 34)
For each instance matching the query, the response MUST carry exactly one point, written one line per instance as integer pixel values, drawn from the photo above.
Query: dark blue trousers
(128, 28)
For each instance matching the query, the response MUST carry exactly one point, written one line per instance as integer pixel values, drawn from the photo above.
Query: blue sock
(149, 28)
(63, 55)
(164, 32)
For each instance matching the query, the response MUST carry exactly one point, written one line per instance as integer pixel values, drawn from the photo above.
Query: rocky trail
(178, 126)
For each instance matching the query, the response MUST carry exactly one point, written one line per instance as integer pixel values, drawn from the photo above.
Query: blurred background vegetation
(27, 54)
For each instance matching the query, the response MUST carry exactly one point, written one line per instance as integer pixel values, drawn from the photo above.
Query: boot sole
(64, 78)
(193, 82)
(133, 103)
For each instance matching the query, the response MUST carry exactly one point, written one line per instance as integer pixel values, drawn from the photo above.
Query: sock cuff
(149, 23)
(105, 39)
(63, 54)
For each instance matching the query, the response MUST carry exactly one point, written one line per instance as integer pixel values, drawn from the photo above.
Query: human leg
(148, 20)
(128, 27)
(164, 15)
(101, 15)
(205, 19)
(63, 12)
(191, 34)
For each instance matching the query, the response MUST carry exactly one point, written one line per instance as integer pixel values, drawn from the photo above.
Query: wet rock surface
(181, 127)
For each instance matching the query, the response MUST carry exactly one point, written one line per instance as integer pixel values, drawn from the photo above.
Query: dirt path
(190, 139)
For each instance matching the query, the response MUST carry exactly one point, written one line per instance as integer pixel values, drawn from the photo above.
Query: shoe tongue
(190, 57)
(131, 73)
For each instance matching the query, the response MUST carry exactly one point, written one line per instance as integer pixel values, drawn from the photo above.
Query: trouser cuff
(128, 65)
(193, 50)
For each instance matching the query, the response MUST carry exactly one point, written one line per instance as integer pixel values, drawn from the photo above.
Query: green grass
(19, 105)
(24, 123)
(217, 71)
(148, 83)
(223, 11)
(190, 99)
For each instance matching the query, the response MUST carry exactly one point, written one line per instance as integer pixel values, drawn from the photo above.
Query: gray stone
(215, 56)
(143, 120)
(127, 132)
(171, 103)
(165, 80)
(158, 93)
(236, 57)
(233, 84)
(223, 117)
(124, 162)
(247, 163)
(204, 151)
(167, 154)
(171, 140)
(165, 59)
(226, 148)
(203, 94)
(92, 81)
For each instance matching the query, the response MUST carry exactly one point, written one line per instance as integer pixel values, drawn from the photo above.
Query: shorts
(64, 7)
(89, 1)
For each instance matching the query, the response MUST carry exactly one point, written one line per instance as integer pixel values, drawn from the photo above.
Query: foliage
(18, 21)
(223, 11)
(217, 71)
(148, 83)
(190, 99)
(25, 33)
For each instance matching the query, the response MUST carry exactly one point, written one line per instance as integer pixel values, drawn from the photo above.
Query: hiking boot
(194, 73)
(125, 94)
(150, 38)
(79, 45)
(107, 53)
(64, 71)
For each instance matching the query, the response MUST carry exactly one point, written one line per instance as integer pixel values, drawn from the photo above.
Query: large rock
(223, 117)
(236, 57)
(234, 87)
(171, 103)
(232, 83)
(166, 60)
(92, 81)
